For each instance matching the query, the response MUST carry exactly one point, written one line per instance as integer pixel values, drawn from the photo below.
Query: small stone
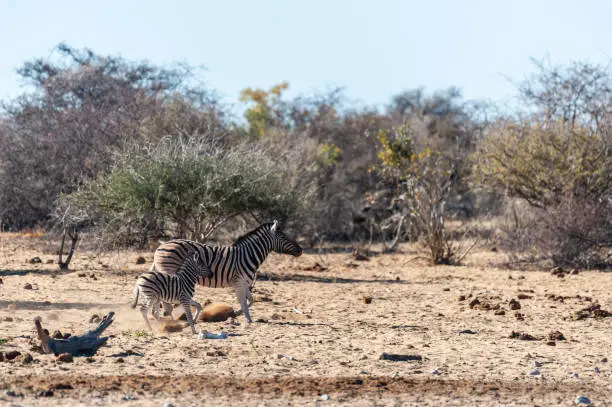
(582, 400)
(141, 260)
(551, 343)
(12, 354)
(8, 319)
(49, 261)
(10, 393)
(27, 286)
(325, 397)
(537, 364)
(597, 370)
(535, 372)
(1, 282)
(556, 336)
(397, 278)
(523, 297)
(27, 359)
(90, 360)
(436, 372)
(604, 360)
(446, 289)
(474, 303)
(65, 358)
(168, 404)
(81, 275)
(35, 260)
(367, 300)
(514, 304)
(120, 360)
(461, 298)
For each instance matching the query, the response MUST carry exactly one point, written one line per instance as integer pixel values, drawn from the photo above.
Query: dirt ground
(315, 340)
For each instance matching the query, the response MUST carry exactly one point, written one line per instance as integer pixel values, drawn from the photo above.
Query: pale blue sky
(373, 48)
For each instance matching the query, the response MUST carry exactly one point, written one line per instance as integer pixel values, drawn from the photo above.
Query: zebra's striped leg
(186, 302)
(144, 309)
(249, 298)
(167, 309)
(242, 290)
(155, 306)
(198, 310)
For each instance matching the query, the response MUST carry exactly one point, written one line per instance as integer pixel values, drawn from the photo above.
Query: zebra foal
(156, 287)
(232, 266)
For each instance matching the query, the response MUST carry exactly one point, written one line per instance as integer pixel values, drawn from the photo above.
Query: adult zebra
(231, 266)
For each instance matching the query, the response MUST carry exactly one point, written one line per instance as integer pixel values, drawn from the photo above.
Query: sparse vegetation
(135, 152)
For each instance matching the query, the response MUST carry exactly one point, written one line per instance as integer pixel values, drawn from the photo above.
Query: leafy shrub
(188, 187)
(542, 162)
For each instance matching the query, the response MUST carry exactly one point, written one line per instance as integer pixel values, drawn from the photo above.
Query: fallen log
(77, 345)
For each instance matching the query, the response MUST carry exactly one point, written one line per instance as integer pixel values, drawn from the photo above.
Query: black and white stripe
(157, 287)
(231, 266)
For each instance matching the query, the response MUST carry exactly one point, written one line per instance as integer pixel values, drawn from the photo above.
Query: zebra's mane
(245, 237)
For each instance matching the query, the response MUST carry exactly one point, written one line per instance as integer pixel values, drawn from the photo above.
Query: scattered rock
(65, 358)
(556, 336)
(593, 311)
(27, 286)
(82, 275)
(11, 354)
(367, 300)
(93, 277)
(95, 318)
(1, 356)
(324, 397)
(11, 393)
(461, 298)
(514, 304)
(35, 260)
(446, 289)
(360, 255)
(524, 297)
(63, 386)
(90, 360)
(120, 360)
(535, 372)
(522, 336)
(556, 271)
(141, 260)
(474, 303)
(519, 316)
(215, 353)
(400, 358)
(1, 282)
(551, 343)
(582, 400)
(168, 404)
(604, 360)
(468, 331)
(8, 319)
(315, 267)
(500, 312)
(49, 261)
(26, 359)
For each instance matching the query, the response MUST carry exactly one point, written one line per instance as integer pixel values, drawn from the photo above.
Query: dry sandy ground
(329, 352)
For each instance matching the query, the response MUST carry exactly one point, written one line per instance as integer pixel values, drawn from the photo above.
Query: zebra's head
(281, 243)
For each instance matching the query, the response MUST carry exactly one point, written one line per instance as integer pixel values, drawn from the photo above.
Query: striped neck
(256, 245)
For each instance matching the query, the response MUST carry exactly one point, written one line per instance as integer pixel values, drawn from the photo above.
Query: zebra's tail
(135, 293)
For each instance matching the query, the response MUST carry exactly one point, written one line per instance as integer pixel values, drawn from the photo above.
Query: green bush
(544, 162)
(187, 188)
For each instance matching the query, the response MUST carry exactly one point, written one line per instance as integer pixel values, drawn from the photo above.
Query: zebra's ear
(274, 226)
